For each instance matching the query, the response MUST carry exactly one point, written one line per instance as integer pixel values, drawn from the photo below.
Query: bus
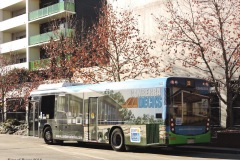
(166, 111)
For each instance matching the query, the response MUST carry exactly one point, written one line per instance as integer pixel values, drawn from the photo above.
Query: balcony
(54, 11)
(43, 63)
(18, 66)
(12, 5)
(45, 37)
(12, 46)
(15, 24)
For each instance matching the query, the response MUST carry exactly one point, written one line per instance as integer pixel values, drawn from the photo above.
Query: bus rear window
(189, 109)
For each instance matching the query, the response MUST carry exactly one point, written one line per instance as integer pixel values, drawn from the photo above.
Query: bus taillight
(172, 125)
(208, 124)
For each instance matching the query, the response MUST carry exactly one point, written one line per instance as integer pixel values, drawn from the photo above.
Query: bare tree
(60, 49)
(23, 82)
(114, 50)
(16, 83)
(110, 50)
(205, 35)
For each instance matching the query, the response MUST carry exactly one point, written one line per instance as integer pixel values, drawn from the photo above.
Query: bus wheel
(47, 135)
(117, 140)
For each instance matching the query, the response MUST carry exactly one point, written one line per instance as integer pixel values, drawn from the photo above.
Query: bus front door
(92, 118)
(33, 114)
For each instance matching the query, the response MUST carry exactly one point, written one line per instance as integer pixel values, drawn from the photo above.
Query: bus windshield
(189, 109)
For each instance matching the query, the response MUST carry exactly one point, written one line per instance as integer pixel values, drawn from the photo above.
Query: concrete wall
(34, 54)
(8, 3)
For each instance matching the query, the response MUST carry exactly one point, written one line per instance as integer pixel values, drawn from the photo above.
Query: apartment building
(26, 24)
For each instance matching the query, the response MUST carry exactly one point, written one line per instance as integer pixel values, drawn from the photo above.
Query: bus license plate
(190, 141)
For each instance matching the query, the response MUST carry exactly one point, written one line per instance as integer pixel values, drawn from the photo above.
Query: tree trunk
(2, 105)
(2, 116)
(2, 113)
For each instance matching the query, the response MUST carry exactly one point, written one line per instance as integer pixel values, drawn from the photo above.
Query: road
(14, 147)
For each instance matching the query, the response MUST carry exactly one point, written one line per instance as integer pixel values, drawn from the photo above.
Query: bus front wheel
(117, 140)
(47, 135)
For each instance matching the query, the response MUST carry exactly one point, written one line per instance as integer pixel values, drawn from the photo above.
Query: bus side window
(158, 115)
(86, 118)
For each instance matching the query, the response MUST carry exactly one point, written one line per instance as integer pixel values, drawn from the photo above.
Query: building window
(46, 3)
(215, 110)
(22, 60)
(15, 108)
(20, 37)
(236, 111)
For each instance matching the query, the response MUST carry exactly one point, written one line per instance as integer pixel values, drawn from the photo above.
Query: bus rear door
(92, 118)
(33, 115)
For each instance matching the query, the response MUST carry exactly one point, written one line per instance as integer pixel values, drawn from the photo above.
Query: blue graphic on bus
(150, 102)
(135, 135)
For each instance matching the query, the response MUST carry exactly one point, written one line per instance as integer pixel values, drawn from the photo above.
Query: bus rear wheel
(117, 140)
(47, 135)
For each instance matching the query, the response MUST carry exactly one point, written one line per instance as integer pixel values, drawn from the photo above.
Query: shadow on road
(185, 152)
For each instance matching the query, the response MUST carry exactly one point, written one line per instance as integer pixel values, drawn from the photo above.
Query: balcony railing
(59, 7)
(44, 63)
(45, 37)
(38, 64)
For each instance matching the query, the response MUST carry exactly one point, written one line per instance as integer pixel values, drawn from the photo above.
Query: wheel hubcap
(117, 140)
(48, 135)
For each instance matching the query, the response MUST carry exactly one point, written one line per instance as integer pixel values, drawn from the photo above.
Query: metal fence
(56, 8)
